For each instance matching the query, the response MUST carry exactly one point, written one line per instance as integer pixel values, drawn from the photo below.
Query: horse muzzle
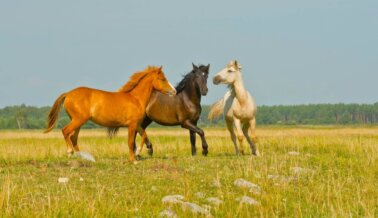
(216, 80)
(173, 92)
(204, 92)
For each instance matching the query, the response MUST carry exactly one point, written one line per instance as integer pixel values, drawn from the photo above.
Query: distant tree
(21, 117)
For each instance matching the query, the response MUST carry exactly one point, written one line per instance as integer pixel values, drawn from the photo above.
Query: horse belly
(243, 114)
(116, 115)
(163, 112)
(234, 109)
(164, 118)
(109, 122)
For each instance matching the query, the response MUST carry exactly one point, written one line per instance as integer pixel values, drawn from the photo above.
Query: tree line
(30, 117)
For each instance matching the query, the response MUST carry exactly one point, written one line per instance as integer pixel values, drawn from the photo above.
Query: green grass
(341, 180)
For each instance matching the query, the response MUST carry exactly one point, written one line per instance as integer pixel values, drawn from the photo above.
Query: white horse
(238, 106)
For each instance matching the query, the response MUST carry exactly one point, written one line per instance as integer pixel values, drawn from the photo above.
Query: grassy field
(302, 172)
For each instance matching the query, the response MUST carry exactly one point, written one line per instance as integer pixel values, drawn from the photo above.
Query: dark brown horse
(125, 108)
(182, 109)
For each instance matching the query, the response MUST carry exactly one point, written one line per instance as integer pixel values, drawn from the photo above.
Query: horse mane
(130, 85)
(136, 78)
(187, 77)
(181, 85)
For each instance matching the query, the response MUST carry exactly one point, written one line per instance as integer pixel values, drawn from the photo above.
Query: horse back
(104, 108)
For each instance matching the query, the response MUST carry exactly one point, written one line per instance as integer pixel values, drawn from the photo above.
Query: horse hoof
(135, 162)
(138, 157)
(256, 153)
(205, 152)
(150, 152)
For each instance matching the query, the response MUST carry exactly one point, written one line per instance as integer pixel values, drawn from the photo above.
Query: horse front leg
(230, 128)
(189, 125)
(239, 135)
(131, 142)
(193, 141)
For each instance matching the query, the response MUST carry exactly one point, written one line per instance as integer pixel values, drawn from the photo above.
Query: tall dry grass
(338, 178)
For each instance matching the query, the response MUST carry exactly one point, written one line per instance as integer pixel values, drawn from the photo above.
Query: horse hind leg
(150, 149)
(143, 134)
(232, 133)
(146, 122)
(246, 128)
(74, 139)
(69, 132)
(252, 130)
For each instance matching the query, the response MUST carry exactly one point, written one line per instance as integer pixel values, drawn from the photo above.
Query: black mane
(187, 77)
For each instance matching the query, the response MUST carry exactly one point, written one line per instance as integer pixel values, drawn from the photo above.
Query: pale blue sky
(293, 52)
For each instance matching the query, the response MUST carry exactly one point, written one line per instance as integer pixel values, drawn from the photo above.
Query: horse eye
(230, 71)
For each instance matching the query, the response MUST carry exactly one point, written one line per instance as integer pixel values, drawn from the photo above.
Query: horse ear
(208, 67)
(194, 66)
(160, 70)
(236, 64)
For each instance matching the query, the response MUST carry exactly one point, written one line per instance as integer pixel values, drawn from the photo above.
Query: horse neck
(193, 93)
(239, 91)
(143, 91)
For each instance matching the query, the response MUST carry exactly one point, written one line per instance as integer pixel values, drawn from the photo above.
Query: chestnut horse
(124, 108)
(183, 109)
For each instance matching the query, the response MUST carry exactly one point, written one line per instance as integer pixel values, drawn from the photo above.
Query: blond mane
(136, 78)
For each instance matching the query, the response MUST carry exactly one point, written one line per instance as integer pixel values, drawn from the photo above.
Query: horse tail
(216, 109)
(54, 113)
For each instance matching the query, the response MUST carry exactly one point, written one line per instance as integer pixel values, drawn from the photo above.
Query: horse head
(201, 74)
(229, 74)
(161, 84)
